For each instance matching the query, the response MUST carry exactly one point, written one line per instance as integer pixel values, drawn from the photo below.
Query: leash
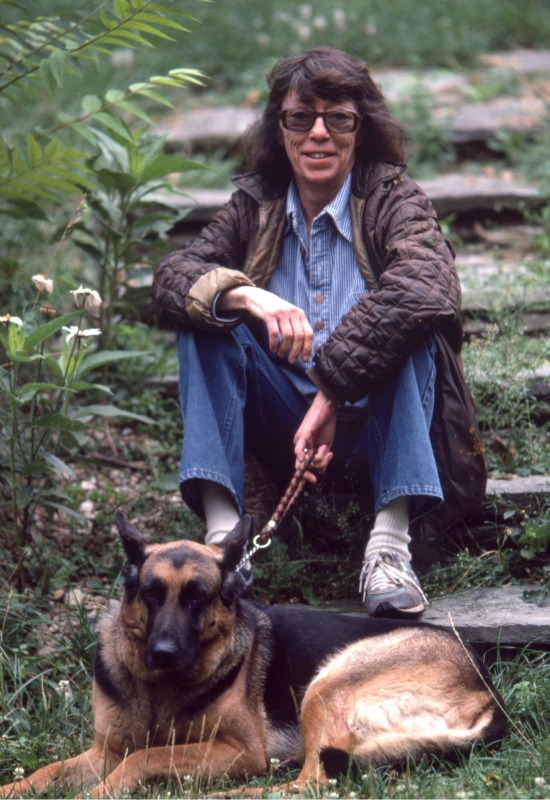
(263, 539)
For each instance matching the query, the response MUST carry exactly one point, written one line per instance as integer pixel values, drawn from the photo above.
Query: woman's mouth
(318, 156)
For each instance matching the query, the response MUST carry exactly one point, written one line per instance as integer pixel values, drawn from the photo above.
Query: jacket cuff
(316, 378)
(203, 293)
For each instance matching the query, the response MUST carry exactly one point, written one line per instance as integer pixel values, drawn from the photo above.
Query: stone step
(484, 616)
(479, 122)
(207, 128)
(450, 193)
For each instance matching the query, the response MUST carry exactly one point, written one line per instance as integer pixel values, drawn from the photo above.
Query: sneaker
(390, 588)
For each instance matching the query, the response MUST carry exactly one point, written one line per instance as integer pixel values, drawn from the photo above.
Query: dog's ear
(134, 542)
(235, 542)
(233, 586)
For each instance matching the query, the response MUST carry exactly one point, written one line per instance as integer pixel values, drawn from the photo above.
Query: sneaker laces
(383, 571)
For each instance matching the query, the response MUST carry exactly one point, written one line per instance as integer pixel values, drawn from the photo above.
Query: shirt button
(303, 252)
(319, 298)
(319, 325)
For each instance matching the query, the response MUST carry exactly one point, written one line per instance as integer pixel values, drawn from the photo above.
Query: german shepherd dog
(189, 679)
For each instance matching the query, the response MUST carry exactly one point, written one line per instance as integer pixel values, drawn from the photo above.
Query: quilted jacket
(407, 265)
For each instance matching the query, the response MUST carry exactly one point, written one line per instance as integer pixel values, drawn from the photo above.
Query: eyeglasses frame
(283, 114)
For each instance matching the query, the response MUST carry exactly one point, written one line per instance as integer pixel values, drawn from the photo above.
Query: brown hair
(328, 74)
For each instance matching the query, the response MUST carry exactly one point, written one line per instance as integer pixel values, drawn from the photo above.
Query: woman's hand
(317, 433)
(281, 318)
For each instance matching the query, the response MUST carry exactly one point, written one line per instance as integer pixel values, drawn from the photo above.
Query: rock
(478, 122)
(205, 128)
(452, 192)
(523, 62)
(76, 597)
(516, 486)
(455, 192)
(397, 84)
(485, 615)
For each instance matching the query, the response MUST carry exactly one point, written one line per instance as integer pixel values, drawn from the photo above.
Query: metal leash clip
(256, 545)
(263, 539)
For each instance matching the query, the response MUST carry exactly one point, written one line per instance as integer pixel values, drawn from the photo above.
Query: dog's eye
(150, 594)
(198, 597)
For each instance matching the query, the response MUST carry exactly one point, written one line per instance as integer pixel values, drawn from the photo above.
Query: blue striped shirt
(319, 273)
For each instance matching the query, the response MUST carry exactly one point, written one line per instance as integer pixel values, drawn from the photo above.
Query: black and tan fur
(191, 680)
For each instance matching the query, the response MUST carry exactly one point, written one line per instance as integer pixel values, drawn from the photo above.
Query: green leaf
(18, 163)
(114, 124)
(34, 153)
(5, 164)
(122, 9)
(53, 365)
(131, 108)
(108, 23)
(60, 422)
(58, 465)
(84, 386)
(24, 359)
(145, 91)
(164, 165)
(53, 150)
(58, 64)
(61, 507)
(91, 104)
(41, 333)
(23, 209)
(114, 95)
(142, 26)
(46, 76)
(110, 411)
(94, 360)
(33, 468)
(45, 387)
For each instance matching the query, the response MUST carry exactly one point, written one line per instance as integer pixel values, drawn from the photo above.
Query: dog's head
(179, 601)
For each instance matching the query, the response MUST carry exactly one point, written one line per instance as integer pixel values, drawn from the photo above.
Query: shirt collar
(338, 209)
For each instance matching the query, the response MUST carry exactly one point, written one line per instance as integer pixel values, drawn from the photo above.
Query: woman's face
(319, 159)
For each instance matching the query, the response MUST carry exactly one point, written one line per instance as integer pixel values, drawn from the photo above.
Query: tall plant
(38, 167)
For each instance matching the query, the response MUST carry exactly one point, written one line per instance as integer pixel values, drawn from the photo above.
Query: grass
(46, 678)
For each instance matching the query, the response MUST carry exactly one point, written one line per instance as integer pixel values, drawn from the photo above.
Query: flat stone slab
(397, 84)
(532, 484)
(206, 127)
(486, 615)
(477, 122)
(450, 193)
(523, 62)
(455, 192)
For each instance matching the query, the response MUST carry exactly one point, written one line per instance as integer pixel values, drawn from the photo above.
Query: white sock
(220, 511)
(391, 529)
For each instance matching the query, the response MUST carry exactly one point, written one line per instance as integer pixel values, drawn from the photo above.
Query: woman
(307, 314)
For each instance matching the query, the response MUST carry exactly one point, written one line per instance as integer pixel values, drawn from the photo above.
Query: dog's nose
(162, 654)
(164, 647)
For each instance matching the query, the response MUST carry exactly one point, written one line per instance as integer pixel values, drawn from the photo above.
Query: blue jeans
(234, 393)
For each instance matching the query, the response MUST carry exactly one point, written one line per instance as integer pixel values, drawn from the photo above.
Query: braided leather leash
(263, 539)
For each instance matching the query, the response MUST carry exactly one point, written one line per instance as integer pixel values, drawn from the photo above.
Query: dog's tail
(394, 748)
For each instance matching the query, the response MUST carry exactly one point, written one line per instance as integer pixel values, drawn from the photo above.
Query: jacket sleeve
(187, 281)
(418, 292)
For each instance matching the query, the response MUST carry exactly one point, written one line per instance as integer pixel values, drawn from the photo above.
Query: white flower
(43, 283)
(319, 23)
(339, 18)
(18, 774)
(73, 331)
(7, 318)
(86, 298)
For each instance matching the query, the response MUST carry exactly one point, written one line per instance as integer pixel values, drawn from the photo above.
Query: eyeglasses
(301, 120)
